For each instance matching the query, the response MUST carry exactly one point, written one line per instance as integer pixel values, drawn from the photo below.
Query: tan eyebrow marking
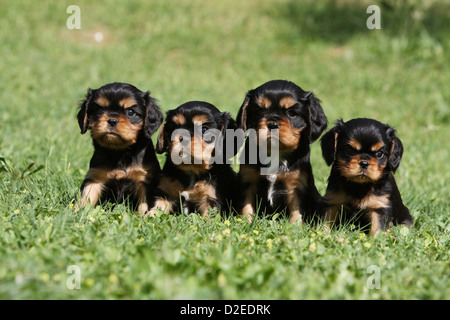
(200, 118)
(263, 102)
(377, 146)
(355, 144)
(179, 119)
(102, 101)
(127, 102)
(287, 102)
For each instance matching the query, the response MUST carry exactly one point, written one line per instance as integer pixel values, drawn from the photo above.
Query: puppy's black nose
(273, 125)
(112, 122)
(364, 164)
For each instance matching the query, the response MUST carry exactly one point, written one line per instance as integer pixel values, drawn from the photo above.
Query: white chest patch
(272, 178)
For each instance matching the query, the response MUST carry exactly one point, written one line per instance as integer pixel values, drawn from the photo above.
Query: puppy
(279, 107)
(196, 172)
(364, 153)
(121, 119)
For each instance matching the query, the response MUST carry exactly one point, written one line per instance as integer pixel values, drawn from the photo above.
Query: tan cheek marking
(289, 136)
(128, 131)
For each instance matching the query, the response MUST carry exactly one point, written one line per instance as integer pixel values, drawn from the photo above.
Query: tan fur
(200, 154)
(127, 102)
(335, 201)
(289, 136)
(200, 119)
(179, 119)
(355, 144)
(161, 204)
(91, 194)
(294, 180)
(102, 101)
(372, 201)
(137, 173)
(263, 102)
(353, 172)
(123, 135)
(377, 146)
(251, 176)
(199, 194)
(287, 102)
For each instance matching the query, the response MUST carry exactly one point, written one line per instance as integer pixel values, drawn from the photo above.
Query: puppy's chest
(370, 201)
(282, 185)
(137, 173)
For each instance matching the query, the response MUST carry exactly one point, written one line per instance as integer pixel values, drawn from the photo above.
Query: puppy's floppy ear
(83, 113)
(318, 120)
(154, 116)
(241, 119)
(396, 152)
(329, 141)
(228, 123)
(161, 144)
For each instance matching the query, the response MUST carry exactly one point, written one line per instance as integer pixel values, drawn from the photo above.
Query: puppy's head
(193, 135)
(363, 150)
(118, 114)
(282, 105)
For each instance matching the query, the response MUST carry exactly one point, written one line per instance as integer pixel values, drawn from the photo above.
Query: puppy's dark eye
(130, 112)
(292, 113)
(379, 154)
(204, 129)
(349, 150)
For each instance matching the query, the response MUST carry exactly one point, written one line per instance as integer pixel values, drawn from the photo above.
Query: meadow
(215, 51)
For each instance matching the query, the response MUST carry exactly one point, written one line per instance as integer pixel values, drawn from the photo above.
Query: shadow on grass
(339, 21)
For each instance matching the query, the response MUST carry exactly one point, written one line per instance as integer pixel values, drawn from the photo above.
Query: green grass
(186, 50)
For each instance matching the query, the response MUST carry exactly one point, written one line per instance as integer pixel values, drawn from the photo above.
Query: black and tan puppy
(121, 119)
(279, 108)
(361, 187)
(195, 172)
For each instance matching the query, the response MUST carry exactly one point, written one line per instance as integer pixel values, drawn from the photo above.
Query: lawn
(215, 51)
